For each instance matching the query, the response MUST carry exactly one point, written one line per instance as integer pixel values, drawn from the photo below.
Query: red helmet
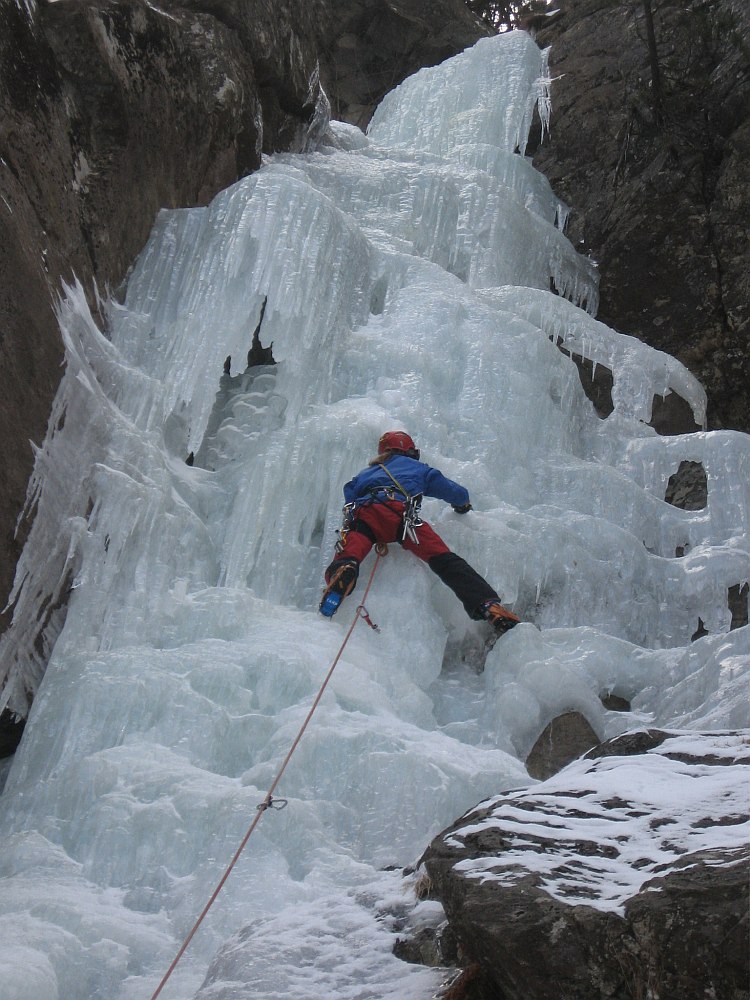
(398, 441)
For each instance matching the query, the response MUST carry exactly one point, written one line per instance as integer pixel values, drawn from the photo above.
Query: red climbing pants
(382, 523)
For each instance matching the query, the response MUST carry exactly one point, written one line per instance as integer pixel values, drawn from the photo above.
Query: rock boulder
(626, 875)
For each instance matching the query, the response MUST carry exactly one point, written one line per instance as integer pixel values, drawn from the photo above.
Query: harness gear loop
(412, 504)
(382, 549)
(412, 520)
(347, 520)
(268, 802)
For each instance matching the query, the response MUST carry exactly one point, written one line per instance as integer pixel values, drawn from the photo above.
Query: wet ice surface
(407, 277)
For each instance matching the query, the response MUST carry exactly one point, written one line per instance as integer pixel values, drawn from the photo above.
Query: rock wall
(113, 109)
(660, 197)
(109, 112)
(376, 45)
(596, 884)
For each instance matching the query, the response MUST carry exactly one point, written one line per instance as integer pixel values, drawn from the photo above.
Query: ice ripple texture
(407, 277)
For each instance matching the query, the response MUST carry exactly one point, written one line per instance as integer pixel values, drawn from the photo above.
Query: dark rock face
(584, 887)
(568, 736)
(661, 201)
(108, 112)
(689, 932)
(31, 135)
(378, 43)
(688, 487)
(738, 604)
(113, 109)
(596, 380)
(11, 731)
(280, 41)
(671, 414)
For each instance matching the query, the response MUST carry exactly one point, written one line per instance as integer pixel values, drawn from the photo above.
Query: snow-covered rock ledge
(625, 875)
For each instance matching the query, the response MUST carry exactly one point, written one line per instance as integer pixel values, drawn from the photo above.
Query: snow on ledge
(600, 829)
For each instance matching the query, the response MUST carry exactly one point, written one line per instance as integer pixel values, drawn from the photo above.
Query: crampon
(500, 619)
(340, 585)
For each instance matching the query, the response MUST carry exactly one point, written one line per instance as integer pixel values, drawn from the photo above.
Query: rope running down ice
(267, 802)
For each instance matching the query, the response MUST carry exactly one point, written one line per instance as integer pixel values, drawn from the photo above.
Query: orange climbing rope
(268, 802)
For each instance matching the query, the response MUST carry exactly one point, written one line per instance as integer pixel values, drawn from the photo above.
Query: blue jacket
(414, 476)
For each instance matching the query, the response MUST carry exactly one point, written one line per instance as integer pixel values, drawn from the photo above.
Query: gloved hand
(463, 509)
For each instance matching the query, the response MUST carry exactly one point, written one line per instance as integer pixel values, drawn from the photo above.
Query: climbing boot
(341, 579)
(499, 617)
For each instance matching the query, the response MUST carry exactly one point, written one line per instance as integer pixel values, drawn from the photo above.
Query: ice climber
(382, 505)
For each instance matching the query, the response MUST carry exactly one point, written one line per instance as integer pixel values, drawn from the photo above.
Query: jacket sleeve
(439, 486)
(350, 492)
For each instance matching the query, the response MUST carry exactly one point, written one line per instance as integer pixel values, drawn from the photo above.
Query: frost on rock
(407, 278)
(628, 868)
(608, 827)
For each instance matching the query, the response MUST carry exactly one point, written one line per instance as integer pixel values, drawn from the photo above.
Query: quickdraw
(363, 613)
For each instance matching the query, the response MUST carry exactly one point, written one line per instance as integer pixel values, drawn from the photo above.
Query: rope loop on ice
(269, 802)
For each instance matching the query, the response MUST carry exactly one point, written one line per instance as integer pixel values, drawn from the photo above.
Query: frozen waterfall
(407, 276)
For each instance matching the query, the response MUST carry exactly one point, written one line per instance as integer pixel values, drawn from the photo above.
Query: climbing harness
(269, 802)
(412, 504)
(410, 519)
